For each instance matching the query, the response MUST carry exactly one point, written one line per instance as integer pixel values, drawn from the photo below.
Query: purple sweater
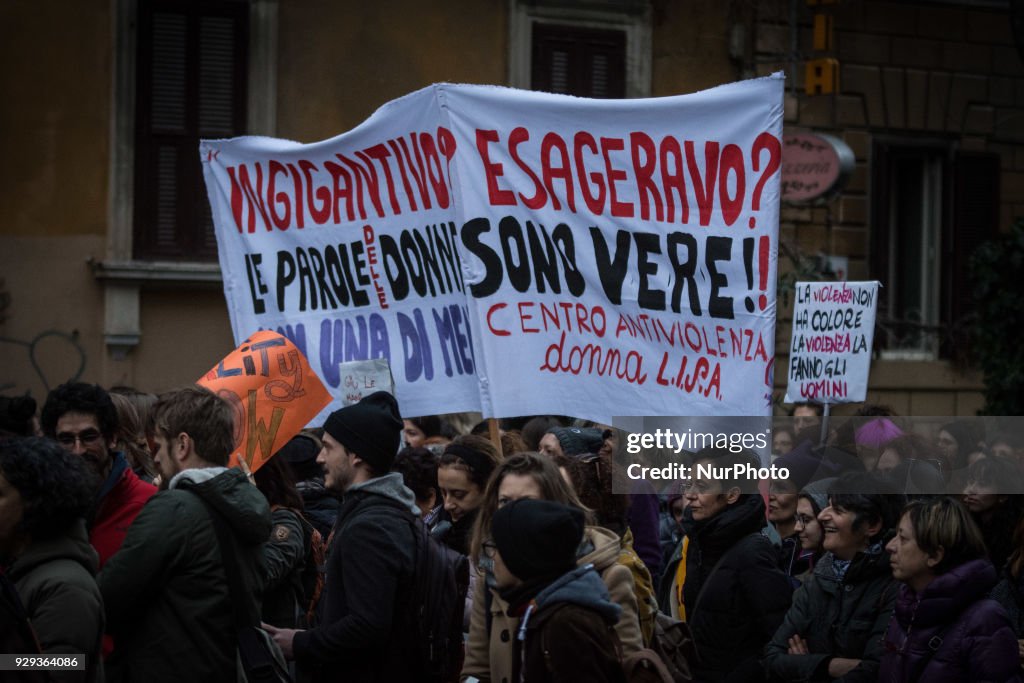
(644, 523)
(951, 632)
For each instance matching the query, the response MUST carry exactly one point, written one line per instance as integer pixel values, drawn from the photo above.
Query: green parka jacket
(54, 579)
(166, 590)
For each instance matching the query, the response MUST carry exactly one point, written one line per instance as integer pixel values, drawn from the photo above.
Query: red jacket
(121, 499)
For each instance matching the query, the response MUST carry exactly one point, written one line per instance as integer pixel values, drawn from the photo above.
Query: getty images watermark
(692, 440)
(881, 452)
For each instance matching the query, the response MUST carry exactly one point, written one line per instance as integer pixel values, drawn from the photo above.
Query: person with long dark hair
(462, 474)
(990, 495)
(319, 504)
(285, 550)
(592, 479)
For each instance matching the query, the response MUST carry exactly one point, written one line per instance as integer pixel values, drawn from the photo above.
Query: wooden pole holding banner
(495, 433)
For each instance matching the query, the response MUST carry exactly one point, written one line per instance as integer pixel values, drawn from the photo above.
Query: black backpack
(440, 581)
(309, 583)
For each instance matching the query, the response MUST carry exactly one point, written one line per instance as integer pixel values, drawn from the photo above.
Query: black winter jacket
(363, 634)
(745, 597)
(838, 617)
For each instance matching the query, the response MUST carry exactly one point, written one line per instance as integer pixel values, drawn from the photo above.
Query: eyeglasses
(87, 438)
(490, 549)
(699, 487)
(804, 520)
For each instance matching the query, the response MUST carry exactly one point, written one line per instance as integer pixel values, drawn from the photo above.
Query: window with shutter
(579, 61)
(191, 83)
(932, 208)
(975, 220)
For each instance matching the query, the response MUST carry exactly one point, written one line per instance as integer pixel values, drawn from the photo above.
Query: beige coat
(489, 657)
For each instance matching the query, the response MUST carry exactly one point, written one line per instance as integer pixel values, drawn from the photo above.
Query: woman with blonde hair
(492, 630)
(944, 627)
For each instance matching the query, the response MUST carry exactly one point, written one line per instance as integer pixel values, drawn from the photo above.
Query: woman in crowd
(565, 610)
(429, 431)
(418, 467)
(536, 428)
(783, 499)
(130, 439)
(643, 504)
(285, 551)
(956, 441)
(944, 628)
(783, 440)
(1009, 592)
(724, 581)
(462, 474)
(835, 625)
(910, 447)
(319, 505)
(591, 477)
(871, 437)
(489, 649)
(45, 493)
(670, 528)
(988, 495)
(808, 506)
(512, 443)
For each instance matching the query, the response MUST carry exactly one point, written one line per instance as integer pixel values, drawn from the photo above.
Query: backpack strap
(934, 644)
(243, 611)
(258, 659)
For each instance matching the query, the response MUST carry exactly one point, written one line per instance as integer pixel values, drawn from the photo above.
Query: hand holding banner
(273, 391)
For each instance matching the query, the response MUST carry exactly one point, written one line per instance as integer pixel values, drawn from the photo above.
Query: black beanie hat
(300, 453)
(578, 440)
(537, 539)
(371, 429)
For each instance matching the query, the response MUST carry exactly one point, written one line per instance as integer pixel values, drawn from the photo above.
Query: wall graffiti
(30, 350)
(59, 345)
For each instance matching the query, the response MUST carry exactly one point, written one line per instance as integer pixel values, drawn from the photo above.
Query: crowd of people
(885, 555)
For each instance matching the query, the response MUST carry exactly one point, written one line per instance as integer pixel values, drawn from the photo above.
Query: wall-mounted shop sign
(814, 165)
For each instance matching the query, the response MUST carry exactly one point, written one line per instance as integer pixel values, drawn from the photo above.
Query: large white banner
(519, 252)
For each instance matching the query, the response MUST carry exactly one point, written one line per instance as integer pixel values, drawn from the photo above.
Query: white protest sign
(519, 252)
(360, 378)
(830, 351)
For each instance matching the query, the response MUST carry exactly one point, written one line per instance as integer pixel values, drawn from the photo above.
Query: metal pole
(824, 424)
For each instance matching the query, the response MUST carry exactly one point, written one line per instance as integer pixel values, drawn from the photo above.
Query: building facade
(107, 260)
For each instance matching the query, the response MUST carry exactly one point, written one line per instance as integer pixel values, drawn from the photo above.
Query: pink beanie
(877, 433)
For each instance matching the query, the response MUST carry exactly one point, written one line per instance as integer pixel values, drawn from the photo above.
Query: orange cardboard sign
(273, 391)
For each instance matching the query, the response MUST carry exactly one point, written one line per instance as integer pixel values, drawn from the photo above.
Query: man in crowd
(82, 418)
(365, 627)
(806, 415)
(166, 592)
